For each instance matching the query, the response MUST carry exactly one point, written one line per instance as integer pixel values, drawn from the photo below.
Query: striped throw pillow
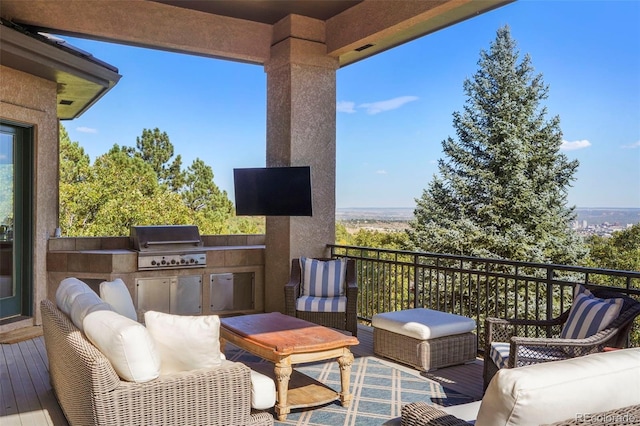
(323, 278)
(589, 314)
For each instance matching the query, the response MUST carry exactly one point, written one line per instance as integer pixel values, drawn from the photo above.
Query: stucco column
(301, 131)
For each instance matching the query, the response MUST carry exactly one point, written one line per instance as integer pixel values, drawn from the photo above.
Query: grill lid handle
(152, 243)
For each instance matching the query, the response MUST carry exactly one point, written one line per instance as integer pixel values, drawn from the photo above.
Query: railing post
(549, 293)
(415, 280)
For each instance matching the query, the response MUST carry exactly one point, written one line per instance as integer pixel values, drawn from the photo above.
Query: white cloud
(388, 105)
(632, 146)
(346, 106)
(572, 146)
(381, 172)
(86, 130)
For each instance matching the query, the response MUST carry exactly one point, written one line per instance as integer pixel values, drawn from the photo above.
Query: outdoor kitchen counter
(125, 260)
(94, 260)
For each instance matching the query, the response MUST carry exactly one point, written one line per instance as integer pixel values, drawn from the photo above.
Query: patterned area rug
(379, 389)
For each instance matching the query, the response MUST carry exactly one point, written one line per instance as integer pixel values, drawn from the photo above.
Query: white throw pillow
(125, 343)
(117, 295)
(185, 342)
(83, 305)
(67, 291)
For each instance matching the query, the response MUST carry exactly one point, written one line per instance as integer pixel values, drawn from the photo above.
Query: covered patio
(300, 45)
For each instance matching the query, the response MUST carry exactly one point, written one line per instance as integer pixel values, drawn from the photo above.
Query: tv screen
(273, 191)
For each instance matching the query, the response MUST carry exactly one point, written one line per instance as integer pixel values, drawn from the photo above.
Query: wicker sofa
(90, 392)
(596, 389)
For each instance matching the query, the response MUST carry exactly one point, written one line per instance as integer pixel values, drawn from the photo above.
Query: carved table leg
(283, 374)
(345, 362)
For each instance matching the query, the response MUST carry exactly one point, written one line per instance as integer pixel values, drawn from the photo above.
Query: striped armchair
(338, 312)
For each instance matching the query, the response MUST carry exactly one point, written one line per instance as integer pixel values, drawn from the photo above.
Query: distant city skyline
(395, 108)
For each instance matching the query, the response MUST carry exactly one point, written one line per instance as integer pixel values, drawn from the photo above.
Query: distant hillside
(404, 214)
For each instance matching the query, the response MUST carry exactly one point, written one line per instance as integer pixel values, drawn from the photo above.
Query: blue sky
(394, 109)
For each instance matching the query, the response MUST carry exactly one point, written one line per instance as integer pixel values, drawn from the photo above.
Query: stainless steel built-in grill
(168, 247)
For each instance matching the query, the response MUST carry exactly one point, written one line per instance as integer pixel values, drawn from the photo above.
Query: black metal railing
(391, 280)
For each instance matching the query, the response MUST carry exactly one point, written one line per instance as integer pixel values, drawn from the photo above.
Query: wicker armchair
(340, 320)
(91, 393)
(524, 350)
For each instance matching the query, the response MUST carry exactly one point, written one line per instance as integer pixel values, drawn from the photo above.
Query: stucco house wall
(30, 101)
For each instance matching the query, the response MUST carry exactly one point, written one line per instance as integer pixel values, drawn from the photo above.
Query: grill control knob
(164, 262)
(182, 261)
(153, 263)
(192, 260)
(173, 261)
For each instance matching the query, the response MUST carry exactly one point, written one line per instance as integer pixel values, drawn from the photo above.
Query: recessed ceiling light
(361, 48)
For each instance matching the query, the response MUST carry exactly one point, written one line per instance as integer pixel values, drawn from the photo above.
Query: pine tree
(502, 187)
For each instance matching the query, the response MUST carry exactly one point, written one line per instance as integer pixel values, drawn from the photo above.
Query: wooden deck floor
(28, 400)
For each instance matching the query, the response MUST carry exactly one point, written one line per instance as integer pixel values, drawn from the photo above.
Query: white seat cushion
(125, 343)
(423, 324)
(321, 304)
(554, 391)
(117, 295)
(185, 342)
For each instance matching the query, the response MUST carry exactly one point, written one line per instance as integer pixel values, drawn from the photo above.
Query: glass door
(15, 221)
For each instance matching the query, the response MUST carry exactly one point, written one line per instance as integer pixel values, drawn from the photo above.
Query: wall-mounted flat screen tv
(273, 191)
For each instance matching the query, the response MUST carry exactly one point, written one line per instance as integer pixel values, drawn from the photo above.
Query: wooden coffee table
(286, 341)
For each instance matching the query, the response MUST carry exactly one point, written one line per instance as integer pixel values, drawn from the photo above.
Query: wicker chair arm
(292, 289)
(421, 414)
(503, 330)
(291, 293)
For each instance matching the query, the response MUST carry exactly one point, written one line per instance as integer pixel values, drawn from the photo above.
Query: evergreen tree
(502, 188)
(156, 149)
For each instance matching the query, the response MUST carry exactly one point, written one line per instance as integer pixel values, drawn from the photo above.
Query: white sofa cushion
(185, 342)
(67, 292)
(423, 324)
(125, 343)
(117, 295)
(559, 390)
(83, 305)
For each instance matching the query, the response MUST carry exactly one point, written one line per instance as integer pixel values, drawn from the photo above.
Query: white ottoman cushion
(423, 324)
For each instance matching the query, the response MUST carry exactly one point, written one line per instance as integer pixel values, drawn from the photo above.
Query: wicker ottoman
(424, 338)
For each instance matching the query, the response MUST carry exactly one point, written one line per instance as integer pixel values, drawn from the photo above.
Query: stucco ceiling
(246, 30)
(267, 12)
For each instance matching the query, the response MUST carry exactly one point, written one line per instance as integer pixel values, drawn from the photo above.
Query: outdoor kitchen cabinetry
(232, 291)
(180, 295)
